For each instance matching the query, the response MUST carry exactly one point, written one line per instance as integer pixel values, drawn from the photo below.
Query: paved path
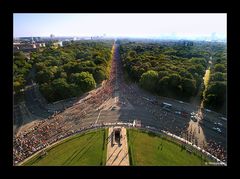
(117, 155)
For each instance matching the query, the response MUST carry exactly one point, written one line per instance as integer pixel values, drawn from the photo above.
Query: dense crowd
(133, 94)
(28, 143)
(59, 125)
(216, 150)
(55, 127)
(44, 133)
(177, 127)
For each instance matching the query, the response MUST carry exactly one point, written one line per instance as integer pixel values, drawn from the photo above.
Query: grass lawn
(87, 149)
(150, 150)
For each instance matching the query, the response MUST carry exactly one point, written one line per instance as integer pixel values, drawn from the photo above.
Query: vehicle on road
(217, 129)
(223, 118)
(177, 112)
(218, 123)
(166, 105)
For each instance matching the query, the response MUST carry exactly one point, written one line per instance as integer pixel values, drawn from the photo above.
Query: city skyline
(189, 26)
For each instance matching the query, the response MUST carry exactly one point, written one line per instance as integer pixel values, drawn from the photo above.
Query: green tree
(135, 72)
(199, 69)
(215, 95)
(84, 80)
(201, 61)
(188, 86)
(71, 67)
(218, 76)
(210, 100)
(175, 82)
(99, 75)
(40, 66)
(163, 85)
(162, 74)
(61, 89)
(17, 86)
(132, 54)
(21, 67)
(219, 68)
(100, 61)
(44, 76)
(185, 74)
(47, 91)
(149, 80)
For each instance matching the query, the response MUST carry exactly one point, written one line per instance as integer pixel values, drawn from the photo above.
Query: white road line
(98, 117)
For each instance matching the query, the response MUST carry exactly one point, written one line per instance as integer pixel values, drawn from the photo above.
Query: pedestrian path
(117, 155)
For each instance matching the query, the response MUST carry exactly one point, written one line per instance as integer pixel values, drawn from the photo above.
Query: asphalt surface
(117, 101)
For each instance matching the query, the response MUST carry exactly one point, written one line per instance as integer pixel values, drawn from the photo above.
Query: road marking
(98, 116)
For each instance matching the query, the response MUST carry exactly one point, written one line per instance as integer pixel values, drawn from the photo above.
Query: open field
(88, 149)
(149, 150)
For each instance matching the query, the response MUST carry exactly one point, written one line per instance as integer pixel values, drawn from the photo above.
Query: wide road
(117, 101)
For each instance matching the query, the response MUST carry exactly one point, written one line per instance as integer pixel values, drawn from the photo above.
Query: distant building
(39, 45)
(37, 39)
(25, 39)
(58, 44)
(184, 43)
(27, 46)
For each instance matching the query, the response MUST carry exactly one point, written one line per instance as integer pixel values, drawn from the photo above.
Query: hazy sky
(134, 25)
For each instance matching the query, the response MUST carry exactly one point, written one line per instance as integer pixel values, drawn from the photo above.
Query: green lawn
(149, 150)
(90, 149)
(87, 149)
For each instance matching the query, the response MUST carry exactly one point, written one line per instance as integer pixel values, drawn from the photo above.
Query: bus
(166, 105)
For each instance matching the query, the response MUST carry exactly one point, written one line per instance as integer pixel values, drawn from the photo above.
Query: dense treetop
(176, 68)
(215, 94)
(21, 67)
(179, 66)
(73, 69)
(167, 68)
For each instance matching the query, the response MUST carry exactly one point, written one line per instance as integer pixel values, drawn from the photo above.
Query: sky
(128, 25)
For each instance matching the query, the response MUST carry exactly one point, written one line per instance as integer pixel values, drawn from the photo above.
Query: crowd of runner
(59, 124)
(216, 150)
